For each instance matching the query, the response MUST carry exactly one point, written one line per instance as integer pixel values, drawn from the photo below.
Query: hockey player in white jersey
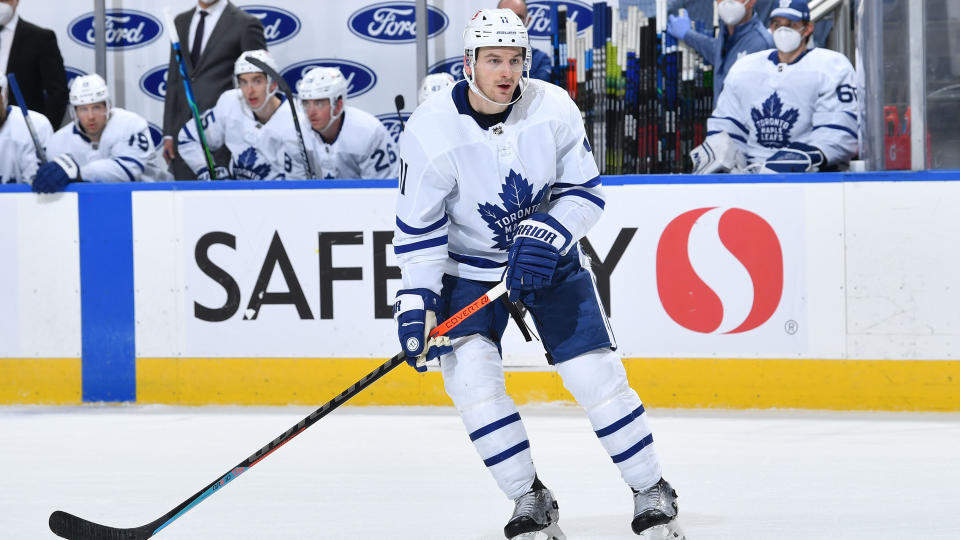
(497, 179)
(255, 124)
(434, 83)
(791, 109)
(103, 144)
(343, 142)
(18, 154)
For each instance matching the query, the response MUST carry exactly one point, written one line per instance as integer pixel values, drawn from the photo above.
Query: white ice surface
(410, 473)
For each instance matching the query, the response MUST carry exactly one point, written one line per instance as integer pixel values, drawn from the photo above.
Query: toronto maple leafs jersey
(124, 153)
(258, 151)
(766, 105)
(464, 189)
(18, 155)
(362, 149)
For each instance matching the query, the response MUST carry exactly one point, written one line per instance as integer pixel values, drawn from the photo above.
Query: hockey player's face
(498, 72)
(319, 112)
(92, 117)
(254, 88)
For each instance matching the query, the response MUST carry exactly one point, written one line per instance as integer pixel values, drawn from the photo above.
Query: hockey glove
(717, 154)
(678, 25)
(415, 311)
(54, 175)
(537, 245)
(204, 173)
(795, 158)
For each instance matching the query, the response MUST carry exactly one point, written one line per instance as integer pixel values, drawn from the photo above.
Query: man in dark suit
(212, 36)
(31, 53)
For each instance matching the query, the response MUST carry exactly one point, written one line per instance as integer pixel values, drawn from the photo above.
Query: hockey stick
(293, 108)
(398, 102)
(188, 90)
(74, 528)
(41, 153)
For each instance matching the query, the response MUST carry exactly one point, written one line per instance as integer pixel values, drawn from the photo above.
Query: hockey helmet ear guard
(495, 28)
(242, 66)
(325, 83)
(87, 90)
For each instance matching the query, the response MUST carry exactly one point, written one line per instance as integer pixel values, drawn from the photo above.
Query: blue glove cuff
(545, 228)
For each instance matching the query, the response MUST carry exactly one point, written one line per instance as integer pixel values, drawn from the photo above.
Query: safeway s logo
(73, 73)
(452, 65)
(360, 78)
(392, 123)
(394, 22)
(279, 25)
(125, 29)
(719, 270)
(154, 82)
(539, 13)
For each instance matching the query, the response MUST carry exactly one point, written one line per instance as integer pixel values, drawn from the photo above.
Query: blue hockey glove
(415, 311)
(795, 158)
(537, 245)
(54, 175)
(678, 25)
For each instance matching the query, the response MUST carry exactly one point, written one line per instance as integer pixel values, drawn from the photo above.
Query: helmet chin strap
(333, 118)
(472, 82)
(270, 94)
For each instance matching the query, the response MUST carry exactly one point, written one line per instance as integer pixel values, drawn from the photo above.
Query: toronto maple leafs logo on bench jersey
(518, 203)
(249, 167)
(773, 123)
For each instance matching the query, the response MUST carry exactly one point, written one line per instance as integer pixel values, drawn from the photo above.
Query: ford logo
(394, 22)
(360, 78)
(125, 29)
(156, 134)
(279, 25)
(154, 82)
(452, 65)
(538, 27)
(392, 123)
(73, 73)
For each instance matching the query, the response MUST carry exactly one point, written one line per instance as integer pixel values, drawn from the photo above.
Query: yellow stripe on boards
(661, 382)
(40, 381)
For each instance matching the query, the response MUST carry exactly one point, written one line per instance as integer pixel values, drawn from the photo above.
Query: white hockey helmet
(496, 28)
(242, 66)
(86, 90)
(432, 84)
(324, 83)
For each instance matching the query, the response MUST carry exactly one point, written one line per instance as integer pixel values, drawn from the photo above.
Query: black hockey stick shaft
(188, 91)
(41, 153)
(285, 88)
(72, 527)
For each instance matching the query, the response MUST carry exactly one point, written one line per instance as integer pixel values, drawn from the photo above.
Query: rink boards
(828, 291)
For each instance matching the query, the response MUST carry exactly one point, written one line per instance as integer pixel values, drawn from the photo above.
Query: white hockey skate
(535, 516)
(655, 513)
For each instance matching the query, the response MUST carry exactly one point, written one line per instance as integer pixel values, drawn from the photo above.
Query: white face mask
(731, 11)
(786, 39)
(6, 13)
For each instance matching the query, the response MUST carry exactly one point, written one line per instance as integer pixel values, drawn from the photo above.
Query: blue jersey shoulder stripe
(579, 193)
(414, 230)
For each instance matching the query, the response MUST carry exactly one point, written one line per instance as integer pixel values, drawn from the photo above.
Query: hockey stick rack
(72, 527)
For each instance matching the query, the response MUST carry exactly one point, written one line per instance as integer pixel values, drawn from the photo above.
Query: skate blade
(552, 532)
(667, 531)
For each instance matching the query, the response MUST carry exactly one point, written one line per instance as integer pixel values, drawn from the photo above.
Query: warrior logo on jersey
(246, 168)
(518, 203)
(773, 123)
(539, 18)
(279, 25)
(394, 22)
(125, 29)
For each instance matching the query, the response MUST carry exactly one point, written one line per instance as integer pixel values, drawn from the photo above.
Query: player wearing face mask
(743, 33)
(792, 109)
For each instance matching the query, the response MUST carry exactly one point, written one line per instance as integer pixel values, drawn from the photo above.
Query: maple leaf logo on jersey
(518, 203)
(773, 123)
(246, 168)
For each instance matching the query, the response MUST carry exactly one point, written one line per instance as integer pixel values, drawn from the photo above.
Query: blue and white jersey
(18, 155)
(362, 149)
(464, 189)
(124, 153)
(766, 105)
(258, 151)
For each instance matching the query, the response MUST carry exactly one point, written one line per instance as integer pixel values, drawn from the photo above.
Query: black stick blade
(72, 527)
